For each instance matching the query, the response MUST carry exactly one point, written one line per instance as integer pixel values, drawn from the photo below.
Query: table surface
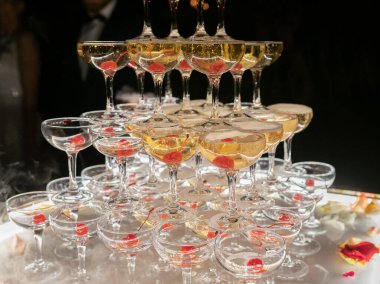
(325, 267)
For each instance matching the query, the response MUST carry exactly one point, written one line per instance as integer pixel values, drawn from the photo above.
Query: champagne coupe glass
(183, 247)
(251, 255)
(213, 58)
(127, 235)
(70, 134)
(231, 149)
(254, 51)
(273, 50)
(304, 206)
(172, 145)
(157, 57)
(313, 169)
(108, 57)
(122, 148)
(77, 224)
(304, 115)
(31, 211)
(273, 132)
(289, 124)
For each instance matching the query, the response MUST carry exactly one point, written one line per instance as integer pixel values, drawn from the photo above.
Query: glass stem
(82, 260)
(147, 30)
(109, 91)
(253, 190)
(288, 262)
(123, 177)
(151, 176)
(72, 161)
(198, 175)
(38, 238)
(256, 102)
(200, 27)
(186, 94)
(131, 265)
(186, 275)
(108, 163)
(288, 153)
(173, 186)
(209, 95)
(271, 163)
(140, 85)
(221, 30)
(237, 95)
(158, 80)
(232, 209)
(215, 80)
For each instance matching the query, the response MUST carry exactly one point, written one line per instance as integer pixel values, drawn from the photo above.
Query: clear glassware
(231, 149)
(184, 244)
(316, 169)
(170, 144)
(304, 206)
(273, 50)
(127, 234)
(157, 57)
(304, 115)
(254, 51)
(213, 58)
(122, 148)
(109, 57)
(31, 211)
(70, 134)
(77, 224)
(273, 132)
(251, 255)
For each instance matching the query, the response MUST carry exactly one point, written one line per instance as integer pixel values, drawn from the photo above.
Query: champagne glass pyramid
(70, 134)
(108, 57)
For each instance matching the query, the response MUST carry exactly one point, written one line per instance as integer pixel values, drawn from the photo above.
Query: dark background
(330, 62)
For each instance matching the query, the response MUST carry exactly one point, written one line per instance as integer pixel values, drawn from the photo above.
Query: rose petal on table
(373, 207)
(373, 231)
(357, 252)
(18, 246)
(349, 274)
(334, 229)
(360, 204)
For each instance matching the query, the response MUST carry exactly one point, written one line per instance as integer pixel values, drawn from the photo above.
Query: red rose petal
(309, 182)
(131, 240)
(184, 66)
(187, 248)
(164, 216)
(238, 67)
(361, 251)
(224, 162)
(156, 68)
(255, 264)
(298, 197)
(109, 129)
(108, 65)
(227, 140)
(132, 64)
(349, 274)
(81, 229)
(125, 153)
(38, 219)
(212, 234)
(172, 157)
(218, 67)
(172, 136)
(284, 217)
(166, 227)
(77, 140)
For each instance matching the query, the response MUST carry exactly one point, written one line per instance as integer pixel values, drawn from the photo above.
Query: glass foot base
(224, 223)
(177, 213)
(200, 194)
(250, 203)
(99, 174)
(294, 270)
(73, 197)
(67, 251)
(308, 247)
(157, 187)
(42, 272)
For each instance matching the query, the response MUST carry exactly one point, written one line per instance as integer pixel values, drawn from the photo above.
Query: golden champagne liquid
(106, 56)
(273, 50)
(213, 58)
(169, 143)
(303, 113)
(155, 56)
(289, 122)
(253, 53)
(272, 131)
(232, 149)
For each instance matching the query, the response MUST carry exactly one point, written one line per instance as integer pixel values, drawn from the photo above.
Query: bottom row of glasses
(249, 255)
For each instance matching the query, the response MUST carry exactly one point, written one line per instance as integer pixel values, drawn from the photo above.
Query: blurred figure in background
(20, 75)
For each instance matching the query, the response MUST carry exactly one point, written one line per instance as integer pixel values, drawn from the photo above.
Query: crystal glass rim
(77, 178)
(276, 126)
(134, 140)
(101, 42)
(64, 206)
(31, 193)
(105, 217)
(329, 166)
(297, 220)
(220, 130)
(46, 123)
(154, 40)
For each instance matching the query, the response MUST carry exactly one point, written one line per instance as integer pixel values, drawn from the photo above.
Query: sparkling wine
(155, 56)
(169, 144)
(273, 50)
(272, 131)
(289, 122)
(106, 56)
(253, 53)
(232, 149)
(213, 58)
(303, 113)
